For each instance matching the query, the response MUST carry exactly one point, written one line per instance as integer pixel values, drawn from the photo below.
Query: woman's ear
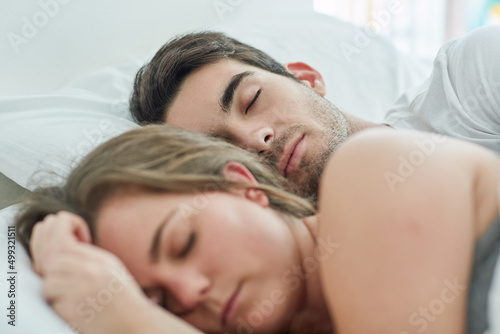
(308, 75)
(237, 172)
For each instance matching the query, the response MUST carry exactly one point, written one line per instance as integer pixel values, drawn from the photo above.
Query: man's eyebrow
(156, 244)
(227, 98)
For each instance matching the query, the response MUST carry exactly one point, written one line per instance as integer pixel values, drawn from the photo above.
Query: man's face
(287, 122)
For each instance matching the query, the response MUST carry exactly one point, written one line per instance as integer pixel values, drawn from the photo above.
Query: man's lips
(230, 307)
(291, 157)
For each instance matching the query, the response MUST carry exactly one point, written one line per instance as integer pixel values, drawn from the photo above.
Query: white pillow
(32, 314)
(44, 136)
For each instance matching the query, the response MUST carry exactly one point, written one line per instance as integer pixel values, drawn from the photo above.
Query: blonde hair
(154, 158)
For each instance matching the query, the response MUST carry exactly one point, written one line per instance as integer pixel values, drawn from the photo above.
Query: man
(213, 84)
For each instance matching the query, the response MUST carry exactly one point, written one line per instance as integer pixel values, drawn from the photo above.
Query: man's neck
(359, 124)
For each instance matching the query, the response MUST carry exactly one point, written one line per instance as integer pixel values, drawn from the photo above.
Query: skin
(197, 284)
(398, 252)
(195, 276)
(363, 276)
(283, 111)
(74, 271)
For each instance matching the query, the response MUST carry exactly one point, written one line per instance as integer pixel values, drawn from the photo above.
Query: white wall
(46, 43)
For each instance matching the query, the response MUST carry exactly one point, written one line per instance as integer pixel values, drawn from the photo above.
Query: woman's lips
(291, 157)
(231, 307)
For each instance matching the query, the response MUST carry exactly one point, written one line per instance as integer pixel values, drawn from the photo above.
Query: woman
(408, 227)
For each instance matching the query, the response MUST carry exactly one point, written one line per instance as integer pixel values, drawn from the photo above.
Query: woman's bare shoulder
(393, 167)
(410, 149)
(394, 200)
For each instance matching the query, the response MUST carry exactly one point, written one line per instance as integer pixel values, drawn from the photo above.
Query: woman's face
(221, 261)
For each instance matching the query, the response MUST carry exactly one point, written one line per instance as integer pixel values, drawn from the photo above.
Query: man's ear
(237, 172)
(308, 75)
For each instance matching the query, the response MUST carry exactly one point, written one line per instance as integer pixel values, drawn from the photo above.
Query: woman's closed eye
(256, 96)
(188, 246)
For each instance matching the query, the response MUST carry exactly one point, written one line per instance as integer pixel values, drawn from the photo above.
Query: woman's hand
(55, 231)
(87, 286)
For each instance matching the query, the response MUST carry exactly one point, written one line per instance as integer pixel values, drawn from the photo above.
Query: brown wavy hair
(154, 158)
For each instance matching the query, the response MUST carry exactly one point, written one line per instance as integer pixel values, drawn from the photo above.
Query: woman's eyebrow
(227, 97)
(156, 243)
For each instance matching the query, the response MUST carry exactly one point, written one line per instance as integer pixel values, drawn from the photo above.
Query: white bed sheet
(33, 315)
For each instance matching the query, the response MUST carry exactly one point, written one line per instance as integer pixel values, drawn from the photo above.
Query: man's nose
(257, 140)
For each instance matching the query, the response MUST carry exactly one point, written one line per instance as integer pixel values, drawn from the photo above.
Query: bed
(67, 70)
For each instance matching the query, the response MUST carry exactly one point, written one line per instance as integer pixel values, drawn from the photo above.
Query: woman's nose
(189, 290)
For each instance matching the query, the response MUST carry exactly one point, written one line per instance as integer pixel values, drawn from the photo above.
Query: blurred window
(418, 27)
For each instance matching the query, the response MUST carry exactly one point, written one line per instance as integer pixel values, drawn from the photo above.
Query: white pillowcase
(44, 136)
(33, 314)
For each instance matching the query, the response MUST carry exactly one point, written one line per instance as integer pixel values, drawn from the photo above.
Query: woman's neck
(314, 313)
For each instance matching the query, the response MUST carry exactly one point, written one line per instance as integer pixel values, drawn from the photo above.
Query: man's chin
(304, 187)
